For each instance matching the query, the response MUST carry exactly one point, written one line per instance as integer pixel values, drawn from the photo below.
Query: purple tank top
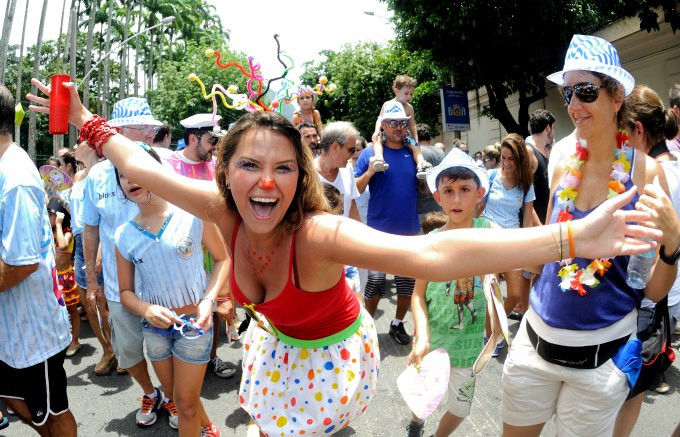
(604, 305)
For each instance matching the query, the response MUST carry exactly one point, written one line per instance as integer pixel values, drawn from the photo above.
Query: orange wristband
(572, 252)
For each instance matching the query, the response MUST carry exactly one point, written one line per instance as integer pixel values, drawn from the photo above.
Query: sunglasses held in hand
(187, 328)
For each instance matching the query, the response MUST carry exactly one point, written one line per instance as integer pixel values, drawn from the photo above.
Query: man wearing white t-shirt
(338, 143)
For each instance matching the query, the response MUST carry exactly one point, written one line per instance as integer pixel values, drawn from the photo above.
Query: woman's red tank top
(301, 314)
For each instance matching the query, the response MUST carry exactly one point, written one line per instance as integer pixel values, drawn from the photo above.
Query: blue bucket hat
(132, 111)
(590, 53)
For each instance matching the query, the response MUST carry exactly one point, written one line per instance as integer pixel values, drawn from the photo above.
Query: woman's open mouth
(263, 207)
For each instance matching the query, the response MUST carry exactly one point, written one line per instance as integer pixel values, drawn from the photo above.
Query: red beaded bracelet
(96, 131)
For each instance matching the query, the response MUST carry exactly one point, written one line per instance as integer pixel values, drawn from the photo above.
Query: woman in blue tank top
(582, 313)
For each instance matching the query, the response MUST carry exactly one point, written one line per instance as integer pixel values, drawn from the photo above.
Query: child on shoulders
(307, 100)
(403, 88)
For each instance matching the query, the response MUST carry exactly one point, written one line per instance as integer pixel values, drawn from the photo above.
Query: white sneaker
(146, 416)
(173, 417)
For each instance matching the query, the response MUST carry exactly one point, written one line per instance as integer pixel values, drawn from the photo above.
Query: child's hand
(159, 316)
(226, 311)
(60, 218)
(204, 314)
(420, 348)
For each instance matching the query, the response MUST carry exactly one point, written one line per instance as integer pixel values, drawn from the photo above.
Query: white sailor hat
(204, 122)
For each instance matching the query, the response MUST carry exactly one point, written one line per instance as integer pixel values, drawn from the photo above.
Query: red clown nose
(267, 184)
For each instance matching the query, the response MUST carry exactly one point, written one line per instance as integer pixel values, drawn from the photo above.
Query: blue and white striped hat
(132, 111)
(590, 53)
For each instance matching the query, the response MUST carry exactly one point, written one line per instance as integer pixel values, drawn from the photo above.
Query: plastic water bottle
(639, 268)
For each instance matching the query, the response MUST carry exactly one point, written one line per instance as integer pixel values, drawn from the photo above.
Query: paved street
(105, 406)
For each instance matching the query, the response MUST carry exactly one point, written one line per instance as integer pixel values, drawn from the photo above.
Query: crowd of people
(307, 215)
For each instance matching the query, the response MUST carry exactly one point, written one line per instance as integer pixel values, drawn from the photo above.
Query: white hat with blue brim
(394, 111)
(206, 122)
(132, 111)
(457, 158)
(590, 53)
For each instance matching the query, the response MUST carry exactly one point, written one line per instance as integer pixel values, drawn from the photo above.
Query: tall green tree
(32, 122)
(503, 46)
(4, 39)
(363, 75)
(20, 70)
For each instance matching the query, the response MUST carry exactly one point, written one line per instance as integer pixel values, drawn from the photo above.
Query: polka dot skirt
(289, 390)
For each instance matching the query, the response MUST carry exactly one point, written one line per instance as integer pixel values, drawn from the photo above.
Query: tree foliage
(504, 46)
(363, 74)
(176, 97)
(195, 26)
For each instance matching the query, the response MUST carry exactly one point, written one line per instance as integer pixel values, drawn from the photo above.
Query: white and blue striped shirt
(76, 199)
(503, 205)
(34, 324)
(168, 265)
(104, 205)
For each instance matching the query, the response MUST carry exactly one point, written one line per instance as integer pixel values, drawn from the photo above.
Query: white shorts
(461, 391)
(585, 401)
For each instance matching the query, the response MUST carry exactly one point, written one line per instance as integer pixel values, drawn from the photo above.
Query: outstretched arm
(456, 254)
(196, 197)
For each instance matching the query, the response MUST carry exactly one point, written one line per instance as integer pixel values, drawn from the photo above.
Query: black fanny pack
(577, 357)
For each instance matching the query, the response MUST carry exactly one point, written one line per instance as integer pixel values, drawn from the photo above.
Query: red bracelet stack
(96, 131)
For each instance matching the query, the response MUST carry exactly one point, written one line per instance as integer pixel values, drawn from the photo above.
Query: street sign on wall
(455, 111)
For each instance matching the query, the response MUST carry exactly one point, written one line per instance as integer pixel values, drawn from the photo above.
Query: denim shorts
(79, 264)
(160, 347)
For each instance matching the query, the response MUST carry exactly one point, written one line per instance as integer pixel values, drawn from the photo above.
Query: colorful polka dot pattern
(291, 391)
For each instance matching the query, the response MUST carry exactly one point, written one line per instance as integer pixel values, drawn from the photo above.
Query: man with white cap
(104, 209)
(391, 208)
(197, 161)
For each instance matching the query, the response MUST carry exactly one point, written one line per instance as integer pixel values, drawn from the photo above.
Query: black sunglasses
(395, 123)
(212, 140)
(586, 92)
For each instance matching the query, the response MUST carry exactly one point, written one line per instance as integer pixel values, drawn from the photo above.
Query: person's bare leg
(63, 425)
(164, 370)
(522, 431)
(676, 432)
(187, 397)
(93, 320)
(513, 282)
(140, 373)
(403, 304)
(448, 424)
(75, 323)
(21, 410)
(628, 416)
(216, 334)
(372, 305)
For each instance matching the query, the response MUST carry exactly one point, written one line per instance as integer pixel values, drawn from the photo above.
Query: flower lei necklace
(572, 277)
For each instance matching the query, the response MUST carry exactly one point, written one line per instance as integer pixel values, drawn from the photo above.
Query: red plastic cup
(60, 100)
